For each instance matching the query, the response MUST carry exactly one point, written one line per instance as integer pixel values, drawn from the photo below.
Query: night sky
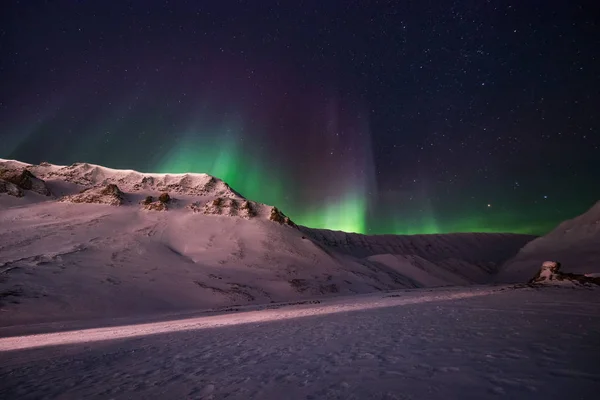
(364, 116)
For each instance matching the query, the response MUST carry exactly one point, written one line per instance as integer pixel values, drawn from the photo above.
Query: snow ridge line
(195, 323)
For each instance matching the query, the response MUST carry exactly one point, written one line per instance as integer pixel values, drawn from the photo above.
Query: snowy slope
(574, 243)
(458, 258)
(105, 244)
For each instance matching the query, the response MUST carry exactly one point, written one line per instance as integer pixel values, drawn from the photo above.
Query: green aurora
(249, 172)
(491, 129)
(313, 194)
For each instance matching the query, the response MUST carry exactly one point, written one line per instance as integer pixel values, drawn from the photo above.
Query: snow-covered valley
(85, 241)
(116, 284)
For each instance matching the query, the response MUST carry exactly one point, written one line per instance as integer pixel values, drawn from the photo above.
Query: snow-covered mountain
(431, 260)
(574, 243)
(84, 240)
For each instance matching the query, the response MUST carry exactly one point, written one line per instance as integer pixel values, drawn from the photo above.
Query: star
(399, 129)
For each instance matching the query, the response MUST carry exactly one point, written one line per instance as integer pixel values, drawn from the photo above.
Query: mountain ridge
(208, 246)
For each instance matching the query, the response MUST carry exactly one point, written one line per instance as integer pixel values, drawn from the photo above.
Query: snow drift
(106, 242)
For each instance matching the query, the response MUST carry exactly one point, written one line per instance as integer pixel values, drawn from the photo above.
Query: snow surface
(473, 343)
(61, 258)
(574, 243)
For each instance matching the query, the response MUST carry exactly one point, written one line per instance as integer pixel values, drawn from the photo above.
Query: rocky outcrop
(10, 188)
(226, 206)
(186, 184)
(240, 208)
(109, 194)
(550, 274)
(246, 209)
(574, 242)
(164, 198)
(24, 180)
(160, 204)
(279, 217)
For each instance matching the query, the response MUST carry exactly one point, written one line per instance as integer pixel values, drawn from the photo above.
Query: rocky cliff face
(10, 188)
(14, 181)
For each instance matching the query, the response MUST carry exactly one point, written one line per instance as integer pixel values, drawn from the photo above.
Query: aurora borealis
(370, 117)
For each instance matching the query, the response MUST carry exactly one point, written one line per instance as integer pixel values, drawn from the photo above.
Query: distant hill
(574, 243)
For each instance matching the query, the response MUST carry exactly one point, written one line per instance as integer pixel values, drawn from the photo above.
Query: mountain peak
(90, 183)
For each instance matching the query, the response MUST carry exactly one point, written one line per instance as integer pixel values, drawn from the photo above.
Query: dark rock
(164, 198)
(25, 180)
(279, 217)
(109, 194)
(111, 190)
(10, 188)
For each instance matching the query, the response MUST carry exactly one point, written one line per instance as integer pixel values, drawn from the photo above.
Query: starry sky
(364, 116)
